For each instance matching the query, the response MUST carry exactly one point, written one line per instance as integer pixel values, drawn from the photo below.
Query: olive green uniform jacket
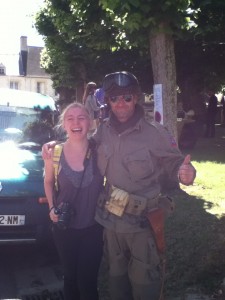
(133, 161)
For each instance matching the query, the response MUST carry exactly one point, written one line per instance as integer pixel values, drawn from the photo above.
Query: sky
(16, 20)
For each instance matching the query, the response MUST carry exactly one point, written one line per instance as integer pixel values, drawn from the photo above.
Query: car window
(21, 124)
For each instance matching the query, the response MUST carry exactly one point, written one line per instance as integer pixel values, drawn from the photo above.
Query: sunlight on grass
(209, 186)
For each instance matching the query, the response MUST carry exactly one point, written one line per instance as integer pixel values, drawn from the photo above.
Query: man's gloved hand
(118, 201)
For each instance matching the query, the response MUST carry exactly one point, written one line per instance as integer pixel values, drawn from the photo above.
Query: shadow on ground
(195, 247)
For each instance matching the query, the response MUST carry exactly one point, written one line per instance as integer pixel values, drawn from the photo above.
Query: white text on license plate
(14, 220)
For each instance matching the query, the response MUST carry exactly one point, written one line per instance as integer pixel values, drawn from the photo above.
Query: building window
(2, 71)
(40, 87)
(14, 85)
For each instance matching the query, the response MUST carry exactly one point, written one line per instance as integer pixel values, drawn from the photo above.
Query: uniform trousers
(135, 269)
(80, 253)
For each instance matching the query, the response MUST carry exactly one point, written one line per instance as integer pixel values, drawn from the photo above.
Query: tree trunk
(80, 84)
(164, 72)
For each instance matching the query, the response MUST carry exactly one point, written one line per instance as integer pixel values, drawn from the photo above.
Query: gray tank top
(83, 202)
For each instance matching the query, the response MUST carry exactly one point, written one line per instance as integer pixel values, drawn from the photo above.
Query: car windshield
(23, 124)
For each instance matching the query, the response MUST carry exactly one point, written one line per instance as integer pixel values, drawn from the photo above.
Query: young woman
(72, 189)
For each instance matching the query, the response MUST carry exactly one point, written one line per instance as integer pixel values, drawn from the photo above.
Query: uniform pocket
(144, 266)
(139, 164)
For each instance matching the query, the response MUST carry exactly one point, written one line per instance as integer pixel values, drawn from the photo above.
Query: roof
(33, 62)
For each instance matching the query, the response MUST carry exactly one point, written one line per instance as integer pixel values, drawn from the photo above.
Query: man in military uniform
(133, 154)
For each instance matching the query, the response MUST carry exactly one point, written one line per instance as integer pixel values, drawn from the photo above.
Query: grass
(195, 234)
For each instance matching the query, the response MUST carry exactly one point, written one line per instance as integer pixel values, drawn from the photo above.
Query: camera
(64, 213)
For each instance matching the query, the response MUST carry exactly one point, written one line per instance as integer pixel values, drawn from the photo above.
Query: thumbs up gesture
(186, 171)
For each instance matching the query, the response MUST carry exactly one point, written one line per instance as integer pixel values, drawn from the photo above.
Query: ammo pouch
(139, 205)
(116, 207)
(134, 205)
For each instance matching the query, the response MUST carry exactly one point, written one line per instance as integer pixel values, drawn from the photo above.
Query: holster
(156, 218)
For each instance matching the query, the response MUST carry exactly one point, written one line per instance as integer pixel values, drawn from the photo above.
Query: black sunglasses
(126, 98)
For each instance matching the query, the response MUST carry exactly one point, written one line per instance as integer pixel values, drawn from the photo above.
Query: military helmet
(120, 83)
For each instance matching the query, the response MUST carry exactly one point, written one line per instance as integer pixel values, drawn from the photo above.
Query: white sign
(158, 105)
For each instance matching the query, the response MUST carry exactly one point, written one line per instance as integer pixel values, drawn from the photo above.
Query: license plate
(12, 220)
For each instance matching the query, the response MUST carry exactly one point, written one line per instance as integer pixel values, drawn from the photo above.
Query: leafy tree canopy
(77, 30)
(86, 39)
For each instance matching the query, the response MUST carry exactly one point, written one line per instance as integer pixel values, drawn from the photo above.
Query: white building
(27, 73)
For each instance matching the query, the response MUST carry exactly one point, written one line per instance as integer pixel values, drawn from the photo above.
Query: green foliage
(200, 54)
(39, 131)
(83, 38)
(78, 32)
(70, 30)
(210, 19)
(79, 42)
(139, 14)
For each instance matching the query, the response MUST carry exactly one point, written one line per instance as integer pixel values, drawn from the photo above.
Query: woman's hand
(53, 216)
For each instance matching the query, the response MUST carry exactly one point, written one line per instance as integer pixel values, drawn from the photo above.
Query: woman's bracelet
(51, 209)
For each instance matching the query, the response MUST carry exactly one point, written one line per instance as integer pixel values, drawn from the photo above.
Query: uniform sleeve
(167, 151)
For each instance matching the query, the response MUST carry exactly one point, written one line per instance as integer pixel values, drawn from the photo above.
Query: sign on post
(158, 105)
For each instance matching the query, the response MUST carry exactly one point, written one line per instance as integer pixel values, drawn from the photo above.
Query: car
(26, 122)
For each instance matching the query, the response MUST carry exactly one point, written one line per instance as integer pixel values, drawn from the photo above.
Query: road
(30, 272)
